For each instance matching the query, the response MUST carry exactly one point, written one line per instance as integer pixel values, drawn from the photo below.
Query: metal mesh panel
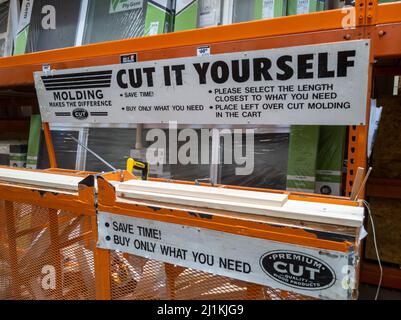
(45, 253)
(134, 277)
(49, 254)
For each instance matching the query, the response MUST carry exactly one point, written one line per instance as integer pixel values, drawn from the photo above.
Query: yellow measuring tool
(137, 165)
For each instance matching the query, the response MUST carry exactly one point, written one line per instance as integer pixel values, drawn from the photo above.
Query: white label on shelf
(308, 271)
(203, 51)
(324, 84)
(303, 6)
(153, 28)
(209, 13)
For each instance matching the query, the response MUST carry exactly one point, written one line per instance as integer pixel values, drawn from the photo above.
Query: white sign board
(313, 85)
(312, 272)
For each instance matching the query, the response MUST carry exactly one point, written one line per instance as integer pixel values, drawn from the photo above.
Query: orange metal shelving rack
(379, 23)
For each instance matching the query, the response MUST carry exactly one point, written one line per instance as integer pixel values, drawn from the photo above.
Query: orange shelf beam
(17, 70)
(388, 13)
(370, 274)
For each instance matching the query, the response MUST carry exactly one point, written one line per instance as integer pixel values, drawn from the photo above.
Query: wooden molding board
(212, 198)
(221, 194)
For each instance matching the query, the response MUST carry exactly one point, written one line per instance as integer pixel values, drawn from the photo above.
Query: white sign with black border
(308, 271)
(323, 84)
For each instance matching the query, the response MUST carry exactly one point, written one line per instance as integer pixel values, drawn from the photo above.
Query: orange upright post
(50, 146)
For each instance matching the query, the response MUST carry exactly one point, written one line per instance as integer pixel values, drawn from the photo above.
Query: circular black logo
(298, 270)
(325, 190)
(80, 114)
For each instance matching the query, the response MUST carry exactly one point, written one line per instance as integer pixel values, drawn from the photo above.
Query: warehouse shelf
(379, 23)
(304, 29)
(326, 26)
(386, 13)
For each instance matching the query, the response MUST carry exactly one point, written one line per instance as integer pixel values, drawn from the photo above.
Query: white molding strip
(40, 179)
(250, 202)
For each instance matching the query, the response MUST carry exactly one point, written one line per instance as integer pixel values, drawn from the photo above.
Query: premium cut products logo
(298, 270)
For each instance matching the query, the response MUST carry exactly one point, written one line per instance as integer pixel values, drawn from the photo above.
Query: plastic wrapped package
(302, 158)
(248, 10)
(243, 10)
(112, 144)
(34, 141)
(2, 47)
(315, 160)
(198, 14)
(49, 24)
(210, 13)
(4, 28)
(109, 20)
(191, 171)
(269, 164)
(105, 22)
(205, 13)
(306, 6)
(186, 15)
(64, 147)
(159, 17)
(267, 9)
(4, 14)
(330, 160)
(115, 145)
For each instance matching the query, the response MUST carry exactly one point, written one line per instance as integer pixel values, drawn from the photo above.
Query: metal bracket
(371, 11)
